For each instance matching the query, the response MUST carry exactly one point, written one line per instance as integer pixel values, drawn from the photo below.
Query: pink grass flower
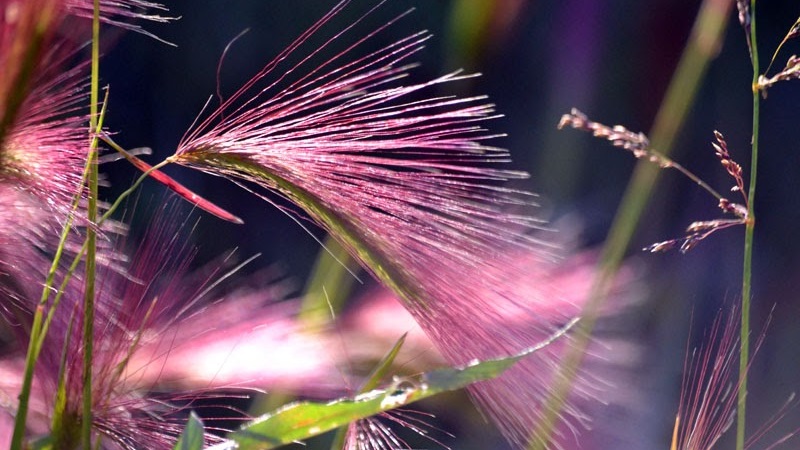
(137, 303)
(708, 401)
(549, 294)
(44, 152)
(27, 232)
(244, 340)
(120, 13)
(155, 312)
(163, 344)
(26, 28)
(708, 390)
(44, 135)
(42, 159)
(376, 433)
(404, 180)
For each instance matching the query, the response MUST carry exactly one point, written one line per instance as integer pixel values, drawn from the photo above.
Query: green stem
(40, 325)
(27, 382)
(703, 45)
(91, 238)
(744, 341)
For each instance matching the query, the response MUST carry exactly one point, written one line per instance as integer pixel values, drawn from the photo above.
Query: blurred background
(613, 61)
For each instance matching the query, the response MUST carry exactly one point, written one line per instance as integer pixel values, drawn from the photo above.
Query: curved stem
(344, 227)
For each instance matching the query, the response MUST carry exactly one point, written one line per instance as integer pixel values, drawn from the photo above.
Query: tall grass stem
(702, 46)
(744, 341)
(91, 236)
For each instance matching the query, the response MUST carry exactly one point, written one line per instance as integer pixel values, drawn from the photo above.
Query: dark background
(612, 60)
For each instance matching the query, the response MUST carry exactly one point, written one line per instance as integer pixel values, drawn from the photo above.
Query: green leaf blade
(301, 420)
(192, 437)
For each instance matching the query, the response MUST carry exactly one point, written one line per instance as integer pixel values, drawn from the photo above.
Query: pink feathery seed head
(154, 311)
(26, 232)
(45, 150)
(528, 309)
(241, 342)
(26, 31)
(402, 180)
(120, 13)
(129, 306)
(709, 388)
(710, 385)
(42, 159)
(379, 432)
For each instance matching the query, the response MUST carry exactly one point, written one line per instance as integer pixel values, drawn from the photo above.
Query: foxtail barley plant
(117, 342)
(404, 183)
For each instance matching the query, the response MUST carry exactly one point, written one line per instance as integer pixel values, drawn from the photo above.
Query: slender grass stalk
(744, 341)
(27, 382)
(704, 41)
(61, 428)
(41, 325)
(91, 237)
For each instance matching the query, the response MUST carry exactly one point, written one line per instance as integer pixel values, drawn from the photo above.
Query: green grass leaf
(373, 380)
(301, 420)
(192, 436)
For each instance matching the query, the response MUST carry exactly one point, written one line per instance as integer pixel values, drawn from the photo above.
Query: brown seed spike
(639, 146)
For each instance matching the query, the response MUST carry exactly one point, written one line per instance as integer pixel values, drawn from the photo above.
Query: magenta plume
(120, 13)
(403, 179)
(45, 150)
(168, 344)
(143, 308)
(377, 433)
(708, 403)
(42, 159)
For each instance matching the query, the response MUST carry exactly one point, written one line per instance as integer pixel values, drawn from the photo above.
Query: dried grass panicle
(790, 72)
(638, 145)
(794, 31)
(697, 231)
(619, 136)
(735, 171)
(743, 6)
